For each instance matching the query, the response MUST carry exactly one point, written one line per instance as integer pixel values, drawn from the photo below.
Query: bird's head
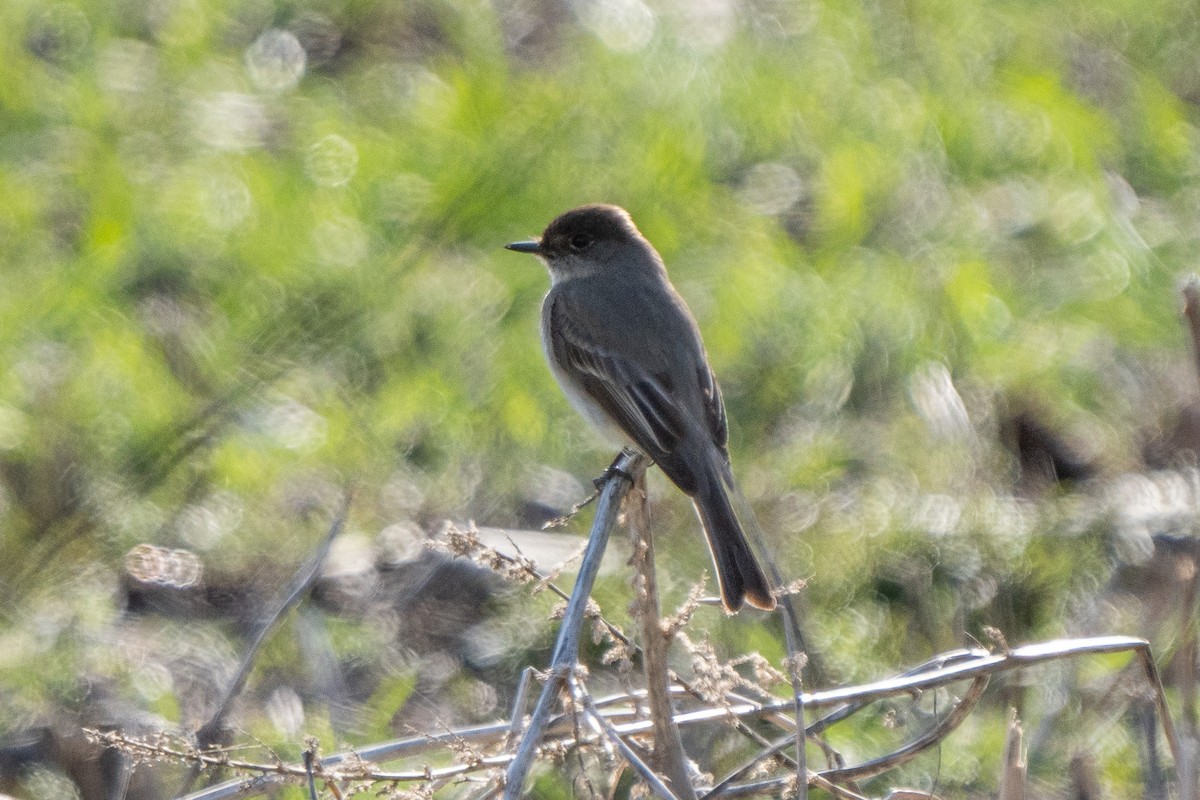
(591, 240)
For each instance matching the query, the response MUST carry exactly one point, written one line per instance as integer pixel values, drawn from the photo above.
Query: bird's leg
(614, 469)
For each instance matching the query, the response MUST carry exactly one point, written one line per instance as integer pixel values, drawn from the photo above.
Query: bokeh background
(251, 256)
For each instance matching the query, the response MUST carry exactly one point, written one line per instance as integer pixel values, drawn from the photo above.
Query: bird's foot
(614, 471)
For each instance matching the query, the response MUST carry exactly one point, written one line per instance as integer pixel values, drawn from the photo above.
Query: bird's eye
(581, 241)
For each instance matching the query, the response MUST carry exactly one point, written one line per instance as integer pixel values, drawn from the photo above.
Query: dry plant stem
(795, 649)
(613, 733)
(774, 787)
(933, 735)
(938, 662)
(794, 640)
(1154, 778)
(1191, 311)
(1188, 769)
(627, 752)
(681, 684)
(308, 767)
(562, 521)
(1184, 661)
(121, 788)
(545, 581)
(566, 649)
(949, 668)
(518, 712)
(668, 755)
(1160, 700)
(1085, 785)
(770, 751)
(1186, 652)
(1012, 769)
(270, 773)
(300, 585)
(844, 793)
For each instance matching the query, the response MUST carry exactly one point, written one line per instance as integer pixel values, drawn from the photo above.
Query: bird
(627, 353)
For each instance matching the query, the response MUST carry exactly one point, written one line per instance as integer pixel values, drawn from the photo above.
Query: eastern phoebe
(628, 355)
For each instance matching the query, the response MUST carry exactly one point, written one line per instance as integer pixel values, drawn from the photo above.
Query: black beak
(525, 247)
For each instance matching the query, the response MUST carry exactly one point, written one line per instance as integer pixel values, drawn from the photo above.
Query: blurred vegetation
(251, 256)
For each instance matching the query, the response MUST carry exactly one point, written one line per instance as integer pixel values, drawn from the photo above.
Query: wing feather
(714, 406)
(637, 399)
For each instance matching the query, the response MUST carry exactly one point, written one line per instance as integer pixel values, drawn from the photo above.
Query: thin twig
(793, 637)
(126, 767)
(566, 650)
(1160, 698)
(301, 583)
(630, 755)
(563, 520)
(309, 756)
(1191, 312)
(933, 735)
(949, 668)
(467, 544)
(518, 706)
(1012, 765)
(795, 663)
(523, 566)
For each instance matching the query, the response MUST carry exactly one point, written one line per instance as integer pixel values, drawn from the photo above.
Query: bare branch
(1191, 311)
(210, 732)
(1012, 769)
(626, 750)
(619, 713)
(566, 650)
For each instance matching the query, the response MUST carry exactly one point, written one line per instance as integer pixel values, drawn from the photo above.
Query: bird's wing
(714, 406)
(636, 396)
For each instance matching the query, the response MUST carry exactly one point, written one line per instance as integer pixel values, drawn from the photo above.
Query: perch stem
(566, 650)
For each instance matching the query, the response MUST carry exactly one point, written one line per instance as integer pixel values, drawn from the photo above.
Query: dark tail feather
(738, 573)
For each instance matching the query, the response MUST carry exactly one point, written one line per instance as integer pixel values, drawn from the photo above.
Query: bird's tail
(738, 573)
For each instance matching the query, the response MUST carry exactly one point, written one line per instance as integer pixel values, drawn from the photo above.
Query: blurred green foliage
(250, 255)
